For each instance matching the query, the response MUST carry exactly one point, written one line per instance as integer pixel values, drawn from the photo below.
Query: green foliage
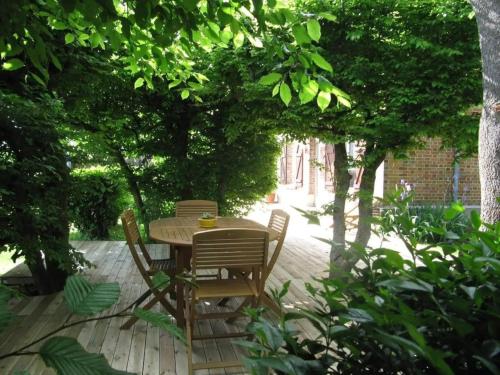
(94, 201)
(427, 224)
(436, 313)
(156, 41)
(34, 187)
(84, 298)
(66, 356)
(162, 321)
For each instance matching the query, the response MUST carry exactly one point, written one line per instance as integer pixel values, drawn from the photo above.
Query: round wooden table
(178, 233)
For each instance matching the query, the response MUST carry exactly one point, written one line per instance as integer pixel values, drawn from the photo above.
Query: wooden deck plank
(144, 349)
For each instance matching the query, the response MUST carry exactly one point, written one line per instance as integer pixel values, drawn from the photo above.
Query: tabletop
(179, 231)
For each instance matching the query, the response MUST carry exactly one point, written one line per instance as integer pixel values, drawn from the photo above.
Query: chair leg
(189, 348)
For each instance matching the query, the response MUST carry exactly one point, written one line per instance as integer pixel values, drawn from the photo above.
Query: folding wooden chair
(224, 248)
(147, 267)
(195, 208)
(278, 224)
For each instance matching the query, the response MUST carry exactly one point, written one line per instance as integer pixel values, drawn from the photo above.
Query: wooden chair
(195, 208)
(278, 224)
(147, 267)
(224, 248)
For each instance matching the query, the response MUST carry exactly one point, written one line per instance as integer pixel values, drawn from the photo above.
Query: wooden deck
(145, 349)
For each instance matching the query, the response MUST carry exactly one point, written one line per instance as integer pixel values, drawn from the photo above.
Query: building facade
(306, 174)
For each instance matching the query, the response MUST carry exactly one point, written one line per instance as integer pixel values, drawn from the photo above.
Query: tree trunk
(180, 153)
(133, 187)
(365, 204)
(488, 22)
(342, 178)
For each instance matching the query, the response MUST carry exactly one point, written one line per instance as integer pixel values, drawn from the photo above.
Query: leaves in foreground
(161, 321)
(67, 356)
(84, 298)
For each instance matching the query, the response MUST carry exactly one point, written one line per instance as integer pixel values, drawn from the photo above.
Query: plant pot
(207, 223)
(271, 198)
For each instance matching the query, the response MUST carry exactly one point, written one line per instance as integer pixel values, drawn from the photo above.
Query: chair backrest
(278, 222)
(195, 208)
(133, 238)
(231, 248)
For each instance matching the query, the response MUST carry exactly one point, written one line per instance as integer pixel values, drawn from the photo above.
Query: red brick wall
(431, 171)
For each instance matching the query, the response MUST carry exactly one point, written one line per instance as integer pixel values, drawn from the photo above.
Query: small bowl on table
(207, 221)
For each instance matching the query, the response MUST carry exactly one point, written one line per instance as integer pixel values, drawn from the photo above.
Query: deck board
(145, 349)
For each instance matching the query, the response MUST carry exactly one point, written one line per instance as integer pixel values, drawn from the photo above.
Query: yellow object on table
(207, 223)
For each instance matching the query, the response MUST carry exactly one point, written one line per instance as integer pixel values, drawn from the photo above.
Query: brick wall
(431, 171)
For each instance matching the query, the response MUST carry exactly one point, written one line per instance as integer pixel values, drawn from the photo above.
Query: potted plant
(207, 220)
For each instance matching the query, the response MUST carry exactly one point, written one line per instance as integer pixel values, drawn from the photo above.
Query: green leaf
(276, 89)
(184, 94)
(453, 211)
(311, 216)
(475, 219)
(488, 364)
(344, 101)
(469, 290)
(270, 79)
(300, 34)
(358, 315)
(12, 64)
(67, 356)
(38, 79)
(160, 280)
(238, 39)
(55, 60)
(308, 92)
(161, 321)
(139, 82)
(84, 298)
(285, 93)
(319, 61)
(402, 284)
(328, 16)
(174, 83)
(69, 38)
(314, 30)
(323, 100)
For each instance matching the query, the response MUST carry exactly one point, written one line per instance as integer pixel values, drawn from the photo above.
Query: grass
(6, 262)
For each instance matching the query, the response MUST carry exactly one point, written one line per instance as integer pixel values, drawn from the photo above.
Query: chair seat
(221, 288)
(165, 265)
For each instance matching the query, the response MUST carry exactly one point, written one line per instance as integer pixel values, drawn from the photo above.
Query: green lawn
(6, 263)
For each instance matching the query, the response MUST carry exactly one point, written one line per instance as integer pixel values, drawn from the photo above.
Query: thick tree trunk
(133, 187)
(342, 178)
(365, 204)
(488, 21)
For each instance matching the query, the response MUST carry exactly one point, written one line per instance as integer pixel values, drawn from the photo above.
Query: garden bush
(96, 201)
(436, 313)
(426, 223)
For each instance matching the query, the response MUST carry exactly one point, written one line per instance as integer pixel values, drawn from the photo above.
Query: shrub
(436, 313)
(96, 201)
(427, 224)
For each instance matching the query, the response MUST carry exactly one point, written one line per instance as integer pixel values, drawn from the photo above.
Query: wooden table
(178, 232)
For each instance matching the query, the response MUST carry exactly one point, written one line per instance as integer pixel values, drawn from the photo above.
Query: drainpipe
(456, 175)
